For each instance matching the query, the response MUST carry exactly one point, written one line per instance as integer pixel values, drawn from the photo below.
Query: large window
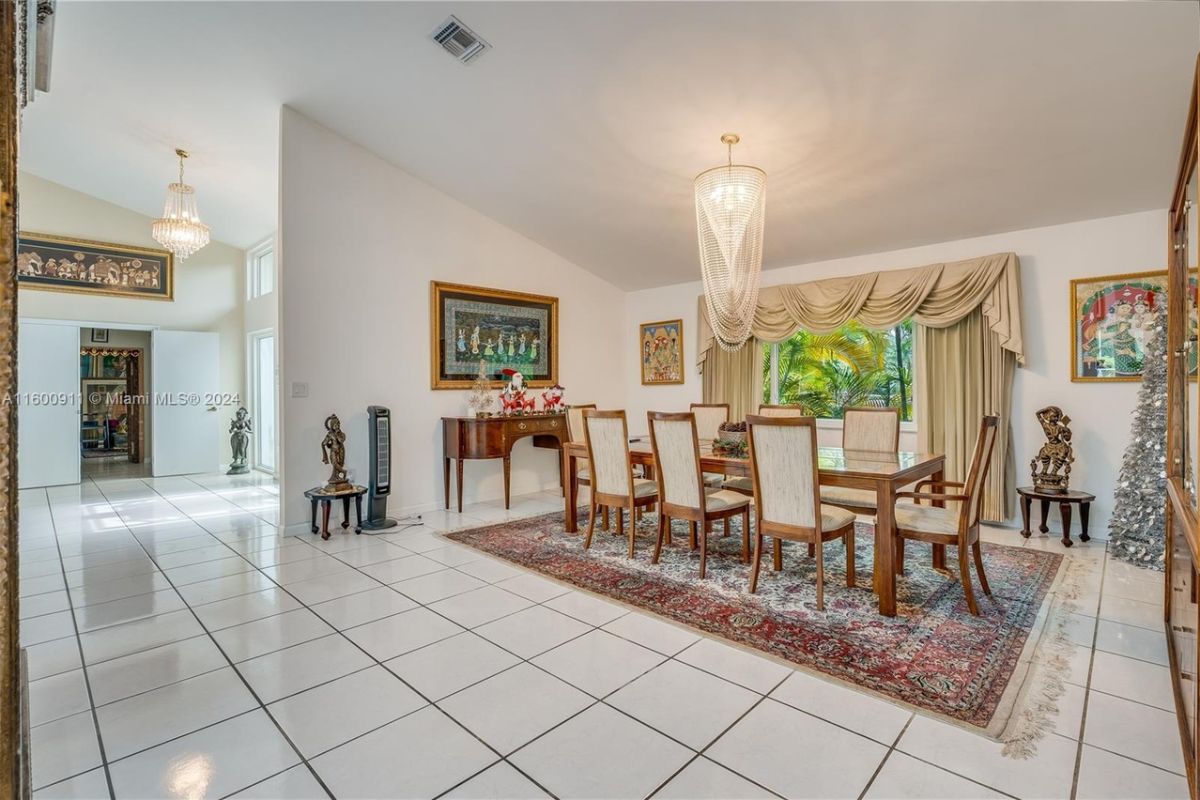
(853, 366)
(263, 389)
(260, 269)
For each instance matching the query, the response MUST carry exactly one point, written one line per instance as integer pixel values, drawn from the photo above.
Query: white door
(184, 383)
(49, 404)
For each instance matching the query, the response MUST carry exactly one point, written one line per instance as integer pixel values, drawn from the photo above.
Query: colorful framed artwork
(61, 264)
(660, 348)
(470, 325)
(1110, 320)
(100, 335)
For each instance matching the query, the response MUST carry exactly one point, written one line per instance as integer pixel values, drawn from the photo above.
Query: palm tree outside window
(852, 366)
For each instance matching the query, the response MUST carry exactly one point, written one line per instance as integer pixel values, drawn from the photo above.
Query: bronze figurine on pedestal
(239, 441)
(333, 453)
(1055, 457)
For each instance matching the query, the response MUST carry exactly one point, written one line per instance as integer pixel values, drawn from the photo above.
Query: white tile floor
(179, 647)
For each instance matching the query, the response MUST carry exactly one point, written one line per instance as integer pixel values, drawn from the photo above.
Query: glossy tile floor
(178, 647)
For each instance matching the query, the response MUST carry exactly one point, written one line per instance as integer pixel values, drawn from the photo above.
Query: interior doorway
(114, 419)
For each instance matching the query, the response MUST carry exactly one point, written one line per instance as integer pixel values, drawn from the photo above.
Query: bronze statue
(333, 453)
(239, 440)
(1055, 457)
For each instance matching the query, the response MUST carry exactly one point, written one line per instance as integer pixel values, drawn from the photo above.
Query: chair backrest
(575, 421)
(677, 457)
(870, 428)
(709, 418)
(781, 411)
(607, 437)
(981, 461)
(783, 461)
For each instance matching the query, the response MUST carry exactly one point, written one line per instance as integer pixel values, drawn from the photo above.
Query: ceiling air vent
(459, 41)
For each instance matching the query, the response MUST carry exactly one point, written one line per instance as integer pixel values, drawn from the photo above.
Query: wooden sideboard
(494, 437)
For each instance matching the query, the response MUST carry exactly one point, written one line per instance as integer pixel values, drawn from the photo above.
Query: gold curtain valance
(104, 351)
(936, 296)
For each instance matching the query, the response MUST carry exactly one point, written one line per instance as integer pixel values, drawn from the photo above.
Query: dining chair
(948, 526)
(676, 447)
(744, 484)
(709, 419)
(864, 428)
(613, 482)
(783, 465)
(575, 430)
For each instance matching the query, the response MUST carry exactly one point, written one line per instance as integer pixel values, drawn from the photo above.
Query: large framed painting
(61, 264)
(471, 325)
(1111, 319)
(661, 351)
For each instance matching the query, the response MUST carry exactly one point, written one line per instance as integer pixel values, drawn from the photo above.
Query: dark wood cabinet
(493, 437)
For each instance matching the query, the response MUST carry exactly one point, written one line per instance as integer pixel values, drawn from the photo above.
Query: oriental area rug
(998, 674)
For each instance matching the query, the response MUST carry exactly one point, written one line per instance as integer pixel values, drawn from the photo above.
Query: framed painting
(61, 264)
(1110, 320)
(660, 348)
(471, 325)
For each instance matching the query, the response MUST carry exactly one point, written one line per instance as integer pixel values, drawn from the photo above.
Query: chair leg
(607, 521)
(632, 527)
(692, 534)
(726, 533)
(620, 512)
(978, 551)
(666, 524)
(899, 557)
(746, 535)
(851, 576)
(758, 543)
(663, 526)
(819, 548)
(812, 550)
(704, 549)
(778, 554)
(964, 571)
(587, 541)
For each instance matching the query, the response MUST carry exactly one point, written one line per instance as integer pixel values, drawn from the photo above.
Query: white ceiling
(879, 125)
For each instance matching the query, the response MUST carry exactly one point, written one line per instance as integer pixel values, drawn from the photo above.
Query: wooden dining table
(885, 473)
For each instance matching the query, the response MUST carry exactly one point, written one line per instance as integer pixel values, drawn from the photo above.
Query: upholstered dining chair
(613, 482)
(958, 527)
(783, 463)
(575, 430)
(681, 489)
(709, 419)
(866, 428)
(744, 484)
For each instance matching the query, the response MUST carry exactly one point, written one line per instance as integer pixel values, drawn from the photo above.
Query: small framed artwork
(1111, 318)
(100, 335)
(61, 264)
(660, 347)
(472, 325)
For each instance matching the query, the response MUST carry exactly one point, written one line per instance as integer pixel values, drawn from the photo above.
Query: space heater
(379, 433)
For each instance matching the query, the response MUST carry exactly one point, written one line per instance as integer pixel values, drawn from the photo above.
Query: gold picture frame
(132, 272)
(660, 352)
(501, 329)
(1106, 317)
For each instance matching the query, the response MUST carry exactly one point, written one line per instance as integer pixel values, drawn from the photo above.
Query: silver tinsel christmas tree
(1137, 530)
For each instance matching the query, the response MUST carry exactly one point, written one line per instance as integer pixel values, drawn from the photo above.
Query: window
(260, 269)
(263, 391)
(852, 366)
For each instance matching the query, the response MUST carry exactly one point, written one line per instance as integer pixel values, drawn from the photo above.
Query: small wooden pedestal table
(321, 495)
(1064, 499)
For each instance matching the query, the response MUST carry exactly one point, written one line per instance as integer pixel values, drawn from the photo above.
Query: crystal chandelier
(730, 211)
(180, 229)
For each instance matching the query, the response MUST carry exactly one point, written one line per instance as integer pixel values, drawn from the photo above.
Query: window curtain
(734, 377)
(962, 373)
(975, 303)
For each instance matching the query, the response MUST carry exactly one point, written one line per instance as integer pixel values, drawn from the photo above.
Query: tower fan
(379, 432)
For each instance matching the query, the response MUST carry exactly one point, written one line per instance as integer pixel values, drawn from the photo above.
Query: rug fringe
(1038, 713)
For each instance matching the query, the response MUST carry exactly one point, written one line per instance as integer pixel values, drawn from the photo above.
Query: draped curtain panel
(962, 373)
(966, 313)
(735, 378)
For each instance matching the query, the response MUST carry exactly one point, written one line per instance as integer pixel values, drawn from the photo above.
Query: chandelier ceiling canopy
(730, 216)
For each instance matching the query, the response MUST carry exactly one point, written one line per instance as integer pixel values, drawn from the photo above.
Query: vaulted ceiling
(880, 125)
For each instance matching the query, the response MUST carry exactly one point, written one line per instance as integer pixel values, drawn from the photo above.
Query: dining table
(885, 473)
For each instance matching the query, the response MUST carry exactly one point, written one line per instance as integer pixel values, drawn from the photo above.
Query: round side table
(320, 495)
(1064, 499)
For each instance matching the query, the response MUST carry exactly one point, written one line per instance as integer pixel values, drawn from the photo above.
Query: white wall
(359, 242)
(209, 286)
(1050, 258)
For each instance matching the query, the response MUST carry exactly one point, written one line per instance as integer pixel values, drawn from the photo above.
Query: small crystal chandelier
(180, 229)
(730, 212)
